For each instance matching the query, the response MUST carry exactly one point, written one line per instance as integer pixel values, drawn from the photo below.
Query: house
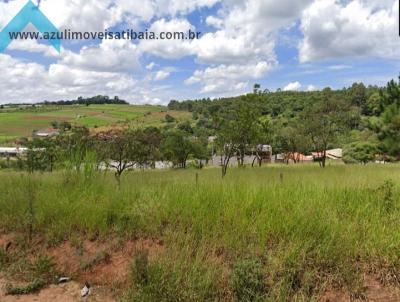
(51, 132)
(294, 157)
(12, 152)
(265, 152)
(331, 154)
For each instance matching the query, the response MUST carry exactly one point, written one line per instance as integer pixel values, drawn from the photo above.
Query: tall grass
(310, 228)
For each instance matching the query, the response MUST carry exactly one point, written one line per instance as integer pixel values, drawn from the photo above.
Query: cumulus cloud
(334, 29)
(239, 48)
(294, 86)
(110, 55)
(169, 49)
(225, 78)
(312, 88)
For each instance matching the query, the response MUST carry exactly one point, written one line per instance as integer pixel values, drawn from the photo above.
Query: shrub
(248, 280)
(386, 195)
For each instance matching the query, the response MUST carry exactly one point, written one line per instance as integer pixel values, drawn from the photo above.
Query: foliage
(248, 281)
(178, 146)
(360, 152)
(99, 99)
(123, 150)
(325, 121)
(238, 130)
(32, 287)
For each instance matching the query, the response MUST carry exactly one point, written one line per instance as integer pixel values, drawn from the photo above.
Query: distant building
(331, 154)
(51, 132)
(12, 152)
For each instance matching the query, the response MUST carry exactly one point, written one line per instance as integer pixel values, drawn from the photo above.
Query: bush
(359, 152)
(385, 194)
(169, 119)
(248, 280)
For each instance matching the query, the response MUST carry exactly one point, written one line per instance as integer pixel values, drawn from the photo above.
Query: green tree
(388, 127)
(123, 150)
(360, 152)
(324, 122)
(177, 147)
(239, 129)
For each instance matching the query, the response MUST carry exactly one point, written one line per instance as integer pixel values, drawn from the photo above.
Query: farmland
(276, 233)
(16, 123)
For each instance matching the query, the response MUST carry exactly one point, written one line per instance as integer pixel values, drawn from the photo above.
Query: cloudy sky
(287, 44)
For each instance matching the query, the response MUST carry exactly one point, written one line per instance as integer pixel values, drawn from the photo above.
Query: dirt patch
(7, 242)
(41, 118)
(374, 292)
(68, 292)
(104, 265)
(101, 263)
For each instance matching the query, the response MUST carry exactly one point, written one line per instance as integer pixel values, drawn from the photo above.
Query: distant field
(21, 122)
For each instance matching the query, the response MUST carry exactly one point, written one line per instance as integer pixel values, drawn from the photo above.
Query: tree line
(364, 121)
(96, 100)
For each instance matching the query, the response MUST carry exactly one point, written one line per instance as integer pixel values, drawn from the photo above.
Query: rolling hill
(22, 121)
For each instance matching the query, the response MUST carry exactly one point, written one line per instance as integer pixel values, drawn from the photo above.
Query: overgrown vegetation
(253, 236)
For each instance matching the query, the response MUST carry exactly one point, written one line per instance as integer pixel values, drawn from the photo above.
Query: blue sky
(289, 44)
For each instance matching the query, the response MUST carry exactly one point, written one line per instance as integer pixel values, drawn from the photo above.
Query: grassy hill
(20, 122)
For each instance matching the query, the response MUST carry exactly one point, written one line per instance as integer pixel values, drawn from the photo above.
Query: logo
(29, 14)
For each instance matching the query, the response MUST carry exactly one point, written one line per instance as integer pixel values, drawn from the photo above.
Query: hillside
(22, 121)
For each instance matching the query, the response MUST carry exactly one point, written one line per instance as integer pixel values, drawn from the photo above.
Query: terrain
(276, 233)
(21, 122)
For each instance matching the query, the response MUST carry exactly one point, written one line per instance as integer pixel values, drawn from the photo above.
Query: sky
(287, 44)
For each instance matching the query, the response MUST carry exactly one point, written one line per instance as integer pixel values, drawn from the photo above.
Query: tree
(75, 146)
(239, 129)
(200, 151)
(177, 147)
(324, 122)
(358, 96)
(124, 149)
(41, 155)
(170, 119)
(186, 127)
(389, 131)
(359, 152)
(289, 137)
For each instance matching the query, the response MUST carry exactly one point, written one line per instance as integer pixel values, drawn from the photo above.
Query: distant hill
(22, 121)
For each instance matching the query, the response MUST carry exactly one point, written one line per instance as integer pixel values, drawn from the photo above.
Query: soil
(104, 265)
(374, 292)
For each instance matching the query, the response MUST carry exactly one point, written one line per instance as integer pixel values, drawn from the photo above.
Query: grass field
(20, 123)
(266, 234)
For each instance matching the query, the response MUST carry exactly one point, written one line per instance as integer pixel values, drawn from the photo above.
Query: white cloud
(294, 86)
(169, 49)
(33, 46)
(31, 82)
(312, 88)
(110, 55)
(161, 75)
(225, 78)
(334, 29)
(150, 66)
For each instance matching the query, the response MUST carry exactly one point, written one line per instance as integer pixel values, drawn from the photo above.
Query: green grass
(319, 228)
(21, 123)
